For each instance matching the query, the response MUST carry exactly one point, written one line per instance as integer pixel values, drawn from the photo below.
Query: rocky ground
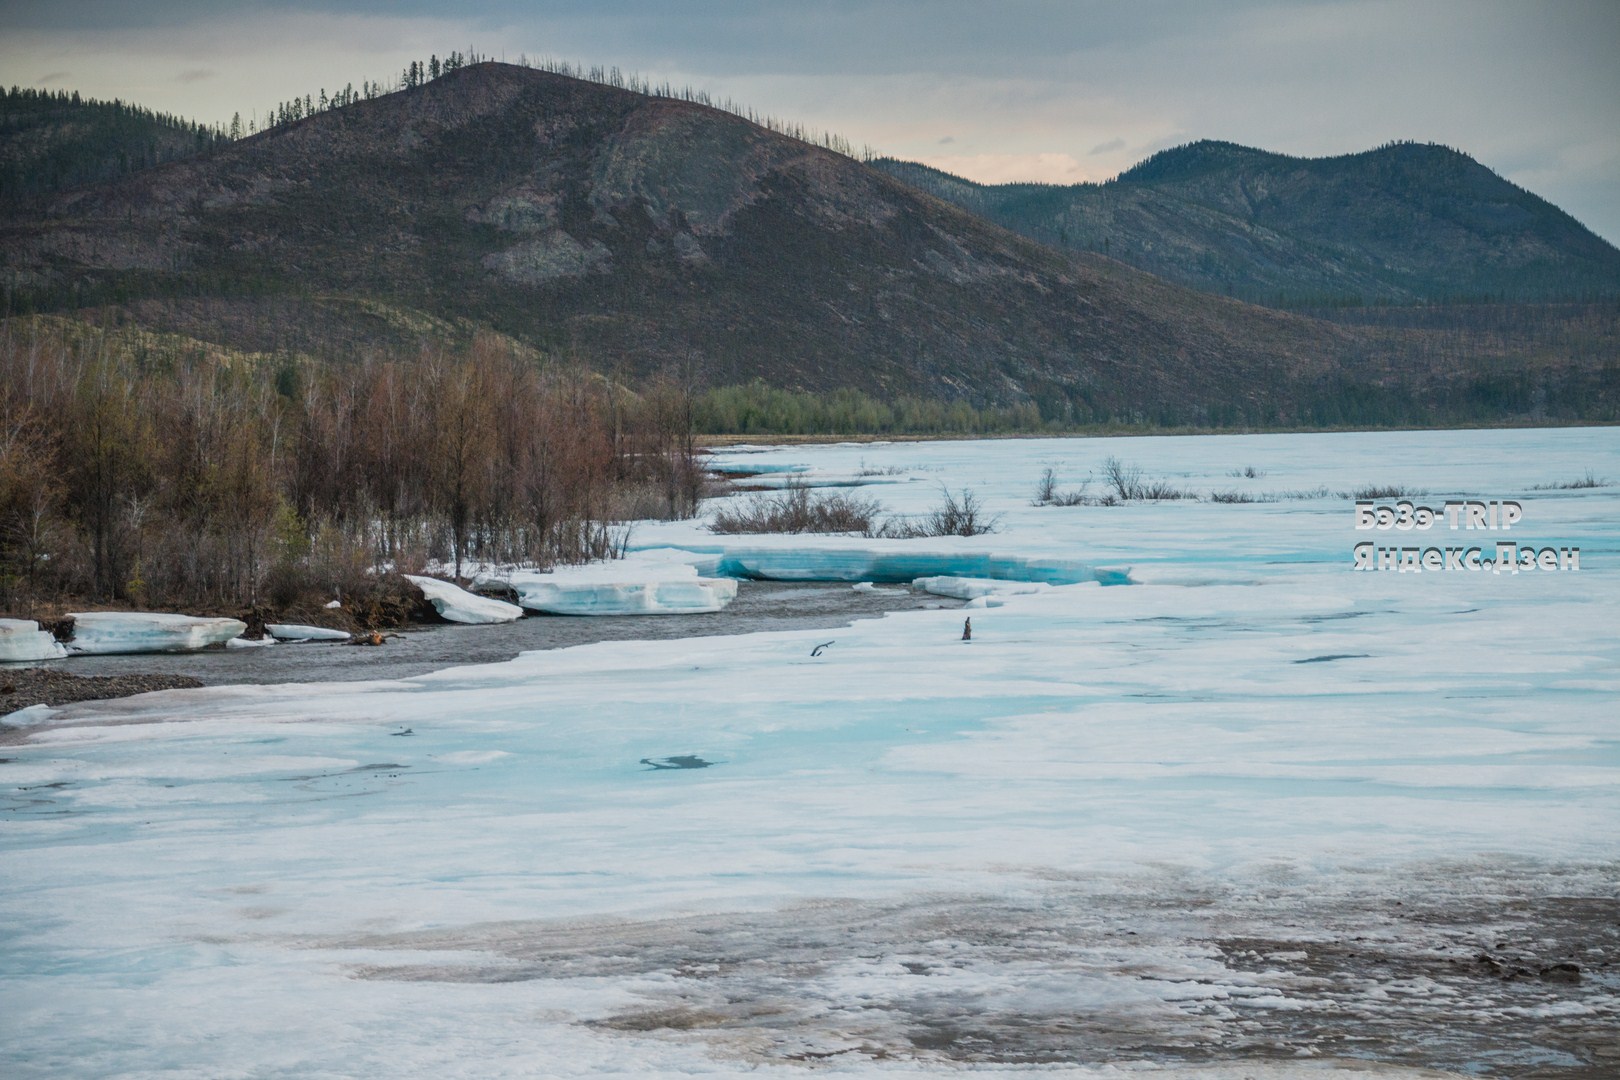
(22, 687)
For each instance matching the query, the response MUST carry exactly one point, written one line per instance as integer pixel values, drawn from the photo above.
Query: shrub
(1048, 494)
(797, 509)
(1126, 483)
(952, 517)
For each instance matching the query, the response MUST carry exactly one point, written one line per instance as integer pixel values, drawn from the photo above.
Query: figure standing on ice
(967, 629)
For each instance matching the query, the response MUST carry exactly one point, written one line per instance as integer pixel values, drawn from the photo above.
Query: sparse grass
(1386, 491)
(799, 510)
(874, 470)
(1590, 480)
(1248, 472)
(1231, 497)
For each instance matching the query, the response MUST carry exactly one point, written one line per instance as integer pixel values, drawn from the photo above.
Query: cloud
(55, 76)
(1108, 147)
(1045, 168)
(947, 140)
(191, 75)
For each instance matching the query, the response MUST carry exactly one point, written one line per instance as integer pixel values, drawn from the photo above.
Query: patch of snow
(249, 643)
(460, 606)
(22, 639)
(33, 714)
(103, 632)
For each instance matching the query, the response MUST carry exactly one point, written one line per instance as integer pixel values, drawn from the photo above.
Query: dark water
(760, 605)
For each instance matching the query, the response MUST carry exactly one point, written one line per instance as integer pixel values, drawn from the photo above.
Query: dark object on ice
(1565, 973)
(817, 650)
(376, 637)
(679, 761)
(1333, 656)
(967, 629)
(407, 731)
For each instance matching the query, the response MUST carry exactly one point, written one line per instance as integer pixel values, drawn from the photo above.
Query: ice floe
(102, 632)
(22, 639)
(299, 632)
(619, 587)
(457, 605)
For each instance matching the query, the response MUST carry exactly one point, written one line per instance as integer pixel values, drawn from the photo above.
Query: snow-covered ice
(633, 586)
(101, 632)
(300, 632)
(22, 639)
(457, 605)
(1252, 806)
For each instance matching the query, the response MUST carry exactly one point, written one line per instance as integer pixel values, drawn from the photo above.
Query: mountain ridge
(651, 236)
(1401, 223)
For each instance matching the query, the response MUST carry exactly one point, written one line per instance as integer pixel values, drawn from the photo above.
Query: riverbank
(420, 649)
(21, 687)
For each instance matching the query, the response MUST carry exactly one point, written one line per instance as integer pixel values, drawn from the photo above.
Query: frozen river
(1256, 814)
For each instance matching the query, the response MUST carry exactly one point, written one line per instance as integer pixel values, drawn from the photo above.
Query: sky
(995, 90)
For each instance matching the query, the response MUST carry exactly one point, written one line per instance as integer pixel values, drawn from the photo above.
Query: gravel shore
(23, 687)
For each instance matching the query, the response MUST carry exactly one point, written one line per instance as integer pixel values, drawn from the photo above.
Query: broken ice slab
(621, 587)
(22, 639)
(460, 606)
(101, 632)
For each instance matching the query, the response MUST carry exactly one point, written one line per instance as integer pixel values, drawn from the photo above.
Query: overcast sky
(1054, 90)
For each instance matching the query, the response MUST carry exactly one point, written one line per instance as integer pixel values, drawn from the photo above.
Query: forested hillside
(1404, 223)
(55, 140)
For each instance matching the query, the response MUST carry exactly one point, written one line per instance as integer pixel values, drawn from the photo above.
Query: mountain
(52, 141)
(648, 235)
(1402, 223)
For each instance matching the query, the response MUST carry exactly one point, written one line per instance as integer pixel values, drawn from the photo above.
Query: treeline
(209, 484)
(419, 72)
(53, 140)
(414, 74)
(1496, 391)
(758, 409)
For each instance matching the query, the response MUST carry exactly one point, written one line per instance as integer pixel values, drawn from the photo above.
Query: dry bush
(797, 509)
(954, 516)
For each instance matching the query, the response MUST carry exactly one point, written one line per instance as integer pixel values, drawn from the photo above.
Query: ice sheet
(1258, 804)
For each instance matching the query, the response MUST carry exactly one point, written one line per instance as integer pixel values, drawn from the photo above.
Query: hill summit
(640, 234)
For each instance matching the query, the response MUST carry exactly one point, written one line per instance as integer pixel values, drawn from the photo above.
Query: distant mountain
(52, 141)
(648, 235)
(1402, 223)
